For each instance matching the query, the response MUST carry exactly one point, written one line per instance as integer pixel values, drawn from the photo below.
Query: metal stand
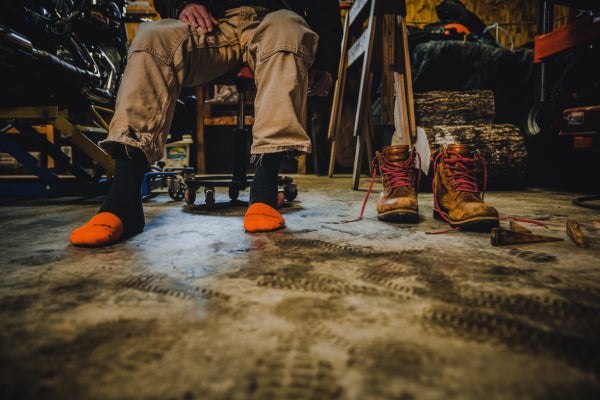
(45, 181)
(239, 180)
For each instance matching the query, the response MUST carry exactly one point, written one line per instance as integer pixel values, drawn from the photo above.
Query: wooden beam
(85, 144)
(388, 47)
(227, 120)
(579, 31)
(340, 83)
(201, 114)
(407, 75)
(363, 91)
(35, 112)
(355, 10)
(335, 118)
(360, 47)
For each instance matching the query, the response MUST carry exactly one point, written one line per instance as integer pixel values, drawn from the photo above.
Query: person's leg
(121, 215)
(281, 51)
(165, 56)
(262, 214)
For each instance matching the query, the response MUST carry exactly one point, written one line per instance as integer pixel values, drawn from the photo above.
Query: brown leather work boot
(398, 199)
(456, 192)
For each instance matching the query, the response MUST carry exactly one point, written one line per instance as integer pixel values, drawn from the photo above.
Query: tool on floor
(575, 233)
(516, 227)
(504, 237)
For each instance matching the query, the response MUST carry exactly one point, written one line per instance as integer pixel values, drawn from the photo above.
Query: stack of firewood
(467, 117)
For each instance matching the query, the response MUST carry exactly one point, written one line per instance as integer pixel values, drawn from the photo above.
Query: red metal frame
(577, 32)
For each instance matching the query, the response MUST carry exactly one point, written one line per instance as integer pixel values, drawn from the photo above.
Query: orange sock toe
(261, 217)
(104, 228)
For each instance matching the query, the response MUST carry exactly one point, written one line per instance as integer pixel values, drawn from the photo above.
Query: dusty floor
(194, 308)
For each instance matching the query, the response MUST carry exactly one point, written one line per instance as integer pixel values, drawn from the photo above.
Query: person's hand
(198, 16)
(319, 82)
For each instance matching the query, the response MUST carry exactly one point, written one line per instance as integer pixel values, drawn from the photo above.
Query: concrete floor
(194, 308)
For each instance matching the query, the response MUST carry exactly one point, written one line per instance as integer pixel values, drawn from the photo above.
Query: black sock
(264, 185)
(125, 193)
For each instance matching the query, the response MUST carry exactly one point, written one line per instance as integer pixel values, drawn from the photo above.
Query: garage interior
(333, 306)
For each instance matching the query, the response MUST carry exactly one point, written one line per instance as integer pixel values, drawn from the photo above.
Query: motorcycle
(62, 51)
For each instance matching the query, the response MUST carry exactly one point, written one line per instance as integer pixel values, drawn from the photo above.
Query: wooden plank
(366, 69)
(35, 112)
(363, 142)
(388, 45)
(575, 233)
(358, 157)
(227, 120)
(361, 46)
(355, 10)
(503, 237)
(408, 94)
(86, 145)
(332, 159)
(340, 83)
(368, 127)
(302, 164)
(577, 32)
(200, 115)
(338, 98)
(402, 108)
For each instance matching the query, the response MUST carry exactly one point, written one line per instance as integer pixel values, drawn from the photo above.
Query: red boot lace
(464, 172)
(398, 175)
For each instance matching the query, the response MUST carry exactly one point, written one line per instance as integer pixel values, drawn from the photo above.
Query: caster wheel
(176, 195)
(189, 195)
(233, 193)
(209, 196)
(290, 191)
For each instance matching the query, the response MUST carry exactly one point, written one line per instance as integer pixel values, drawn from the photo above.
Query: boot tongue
(396, 154)
(463, 149)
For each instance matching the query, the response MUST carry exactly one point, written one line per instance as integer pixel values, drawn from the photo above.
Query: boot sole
(479, 224)
(398, 216)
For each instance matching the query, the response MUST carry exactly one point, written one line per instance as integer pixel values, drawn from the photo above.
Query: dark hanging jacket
(323, 16)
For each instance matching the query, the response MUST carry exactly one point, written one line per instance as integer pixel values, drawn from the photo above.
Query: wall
(518, 17)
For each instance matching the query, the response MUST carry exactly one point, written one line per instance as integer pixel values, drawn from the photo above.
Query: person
(292, 46)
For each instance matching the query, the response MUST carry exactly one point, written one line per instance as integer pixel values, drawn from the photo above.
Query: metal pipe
(545, 23)
(241, 117)
(26, 48)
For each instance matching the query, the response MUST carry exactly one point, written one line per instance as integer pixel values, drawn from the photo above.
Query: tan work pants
(167, 55)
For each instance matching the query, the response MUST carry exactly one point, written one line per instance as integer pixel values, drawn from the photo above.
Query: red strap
(529, 221)
(362, 211)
